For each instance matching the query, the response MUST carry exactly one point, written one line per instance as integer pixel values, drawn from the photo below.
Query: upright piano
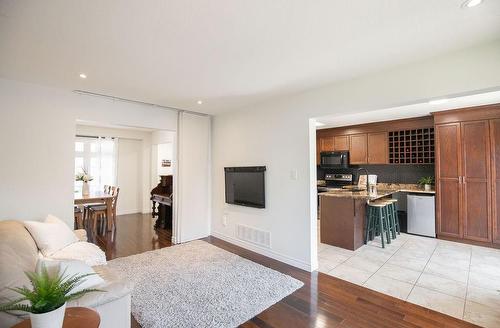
(161, 196)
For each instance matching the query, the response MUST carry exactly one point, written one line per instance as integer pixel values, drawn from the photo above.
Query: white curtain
(98, 156)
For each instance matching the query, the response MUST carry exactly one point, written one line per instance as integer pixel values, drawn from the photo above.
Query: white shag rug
(199, 285)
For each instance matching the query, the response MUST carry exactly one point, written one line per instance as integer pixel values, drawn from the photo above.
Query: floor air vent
(255, 236)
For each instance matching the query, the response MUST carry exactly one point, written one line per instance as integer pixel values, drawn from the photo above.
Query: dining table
(97, 197)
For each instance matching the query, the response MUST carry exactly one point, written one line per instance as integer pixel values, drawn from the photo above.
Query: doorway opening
(124, 186)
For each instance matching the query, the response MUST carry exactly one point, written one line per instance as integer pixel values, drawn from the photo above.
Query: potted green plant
(46, 301)
(426, 182)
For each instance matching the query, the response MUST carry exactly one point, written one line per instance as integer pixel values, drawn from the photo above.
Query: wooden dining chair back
(78, 224)
(100, 211)
(115, 191)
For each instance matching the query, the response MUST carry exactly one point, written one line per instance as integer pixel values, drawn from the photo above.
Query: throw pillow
(51, 235)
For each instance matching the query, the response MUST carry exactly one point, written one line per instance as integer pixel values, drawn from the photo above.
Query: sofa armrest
(81, 234)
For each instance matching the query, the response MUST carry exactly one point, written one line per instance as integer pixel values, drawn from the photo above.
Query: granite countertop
(383, 190)
(413, 188)
(339, 193)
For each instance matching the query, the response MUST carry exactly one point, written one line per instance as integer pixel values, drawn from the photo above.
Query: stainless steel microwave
(334, 159)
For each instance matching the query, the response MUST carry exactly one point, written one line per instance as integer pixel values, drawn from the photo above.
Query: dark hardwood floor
(324, 301)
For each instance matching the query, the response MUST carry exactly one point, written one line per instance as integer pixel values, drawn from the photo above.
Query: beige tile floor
(453, 278)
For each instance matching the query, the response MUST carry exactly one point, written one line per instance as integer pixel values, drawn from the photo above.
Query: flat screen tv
(245, 186)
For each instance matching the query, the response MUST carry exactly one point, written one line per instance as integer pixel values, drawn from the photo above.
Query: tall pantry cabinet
(468, 173)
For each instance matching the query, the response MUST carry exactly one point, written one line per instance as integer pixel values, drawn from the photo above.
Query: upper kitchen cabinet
(341, 143)
(326, 144)
(407, 141)
(358, 149)
(323, 144)
(377, 148)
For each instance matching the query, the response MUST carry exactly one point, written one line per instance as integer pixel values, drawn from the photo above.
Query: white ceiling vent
(254, 236)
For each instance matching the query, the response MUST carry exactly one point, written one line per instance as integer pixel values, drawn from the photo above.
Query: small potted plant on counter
(46, 301)
(426, 182)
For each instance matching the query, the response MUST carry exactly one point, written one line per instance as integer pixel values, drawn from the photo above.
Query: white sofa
(19, 253)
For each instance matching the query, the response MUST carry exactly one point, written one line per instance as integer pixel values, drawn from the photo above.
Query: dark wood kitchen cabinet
(323, 144)
(377, 148)
(476, 181)
(467, 174)
(448, 180)
(341, 143)
(370, 143)
(358, 148)
(326, 144)
(495, 178)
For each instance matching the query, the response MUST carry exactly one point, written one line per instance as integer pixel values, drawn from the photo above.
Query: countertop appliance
(334, 159)
(421, 215)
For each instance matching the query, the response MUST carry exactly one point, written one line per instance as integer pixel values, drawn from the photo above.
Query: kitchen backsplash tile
(386, 173)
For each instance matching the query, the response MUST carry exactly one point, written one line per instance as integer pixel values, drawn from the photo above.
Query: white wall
(163, 143)
(37, 147)
(165, 151)
(278, 134)
(37, 129)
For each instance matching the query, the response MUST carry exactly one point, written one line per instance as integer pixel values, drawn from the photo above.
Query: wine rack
(411, 146)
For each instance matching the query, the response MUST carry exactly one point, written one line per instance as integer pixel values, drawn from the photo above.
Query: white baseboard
(266, 252)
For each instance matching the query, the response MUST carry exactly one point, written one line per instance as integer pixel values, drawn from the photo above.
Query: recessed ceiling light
(438, 101)
(83, 76)
(199, 102)
(471, 3)
(319, 123)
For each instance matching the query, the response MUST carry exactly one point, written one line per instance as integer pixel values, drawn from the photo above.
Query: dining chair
(107, 190)
(97, 212)
(78, 218)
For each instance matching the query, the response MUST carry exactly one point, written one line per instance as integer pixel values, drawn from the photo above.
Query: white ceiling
(228, 53)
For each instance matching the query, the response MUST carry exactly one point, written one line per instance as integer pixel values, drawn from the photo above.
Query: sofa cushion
(18, 253)
(51, 235)
(86, 252)
(113, 287)
(71, 268)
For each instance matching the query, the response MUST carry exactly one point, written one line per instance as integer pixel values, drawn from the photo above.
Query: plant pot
(427, 187)
(85, 189)
(52, 319)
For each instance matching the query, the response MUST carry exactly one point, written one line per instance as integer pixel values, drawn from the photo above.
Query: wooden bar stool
(377, 222)
(393, 208)
(389, 212)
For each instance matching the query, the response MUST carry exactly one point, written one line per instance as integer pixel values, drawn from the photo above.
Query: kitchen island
(343, 213)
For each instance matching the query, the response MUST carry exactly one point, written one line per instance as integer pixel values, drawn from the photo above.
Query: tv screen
(245, 186)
